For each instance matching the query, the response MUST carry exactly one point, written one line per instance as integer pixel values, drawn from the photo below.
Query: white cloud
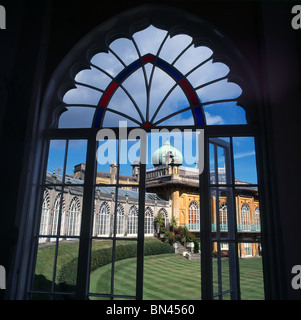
(244, 154)
(212, 120)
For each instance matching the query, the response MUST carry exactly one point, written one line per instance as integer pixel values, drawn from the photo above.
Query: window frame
(273, 273)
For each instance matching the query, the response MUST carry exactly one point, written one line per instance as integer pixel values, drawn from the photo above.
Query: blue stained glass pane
(126, 72)
(165, 66)
(98, 118)
(199, 116)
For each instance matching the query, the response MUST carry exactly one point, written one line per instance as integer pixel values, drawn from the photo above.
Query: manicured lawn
(166, 276)
(173, 277)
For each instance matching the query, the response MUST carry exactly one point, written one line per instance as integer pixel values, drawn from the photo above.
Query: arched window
(56, 212)
(245, 224)
(132, 228)
(257, 219)
(149, 222)
(44, 224)
(166, 218)
(223, 217)
(160, 79)
(73, 217)
(156, 68)
(194, 217)
(120, 220)
(103, 220)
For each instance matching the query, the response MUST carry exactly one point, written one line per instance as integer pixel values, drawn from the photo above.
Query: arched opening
(149, 73)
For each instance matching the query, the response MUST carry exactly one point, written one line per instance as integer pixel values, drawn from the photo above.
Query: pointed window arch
(45, 215)
(149, 222)
(132, 227)
(73, 217)
(194, 217)
(151, 76)
(58, 210)
(245, 224)
(144, 81)
(103, 220)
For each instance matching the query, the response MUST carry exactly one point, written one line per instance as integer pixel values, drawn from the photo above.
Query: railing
(223, 227)
(240, 227)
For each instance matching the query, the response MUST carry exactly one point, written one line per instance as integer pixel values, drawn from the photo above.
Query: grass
(166, 276)
(173, 277)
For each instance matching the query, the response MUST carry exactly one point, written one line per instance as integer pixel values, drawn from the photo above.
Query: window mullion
(205, 221)
(87, 211)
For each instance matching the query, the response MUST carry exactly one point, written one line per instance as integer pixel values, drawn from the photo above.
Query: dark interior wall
(282, 55)
(272, 50)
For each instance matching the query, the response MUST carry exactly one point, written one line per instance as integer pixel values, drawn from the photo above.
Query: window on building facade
(149, 222)
(245, 224)
(73, 218)
(133, 221)
(223, 217)
(194, 217)
(45, 215)
(156, 76)
(103, 220)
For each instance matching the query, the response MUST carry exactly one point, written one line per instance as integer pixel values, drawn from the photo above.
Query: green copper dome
(161, 155)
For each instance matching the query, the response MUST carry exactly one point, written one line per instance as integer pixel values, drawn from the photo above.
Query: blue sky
(243, 151)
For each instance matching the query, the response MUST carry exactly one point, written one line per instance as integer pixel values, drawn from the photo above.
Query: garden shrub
(102, 257)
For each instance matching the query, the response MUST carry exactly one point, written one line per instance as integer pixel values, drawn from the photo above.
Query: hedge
(99, 258)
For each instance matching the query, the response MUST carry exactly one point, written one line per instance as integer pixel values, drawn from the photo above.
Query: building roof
(163, 154)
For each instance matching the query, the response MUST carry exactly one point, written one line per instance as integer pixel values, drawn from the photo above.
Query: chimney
(136, 169)
(78, 169)
(113, 172)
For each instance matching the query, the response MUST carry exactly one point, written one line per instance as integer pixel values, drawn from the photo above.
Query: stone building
(173, 190)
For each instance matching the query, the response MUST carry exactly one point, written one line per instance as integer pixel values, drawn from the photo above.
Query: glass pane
(207, 72)
(44, 268)
(127, 212)
(129, 164)
(101, 267)
(121, 102)
(77, 117)
(192, 57)
(174, 46)
(107, 159)
(172, 219)
(112, 119)
(224, 113)
(125, 50)
(82, 95)
(107, 62)
(251, 275)
(244, 160)
(104, 207)
(160, 86)
(149, 40)
(183, 283)
(135, 85)
(93, 77)
(218, 91)
(66, 266)
(52, 214)
(221, 271)
(222, 213)
(248, 212)
(125, 268)
(219, 155)
(71, 216)
(76, 162)
(176, 101)
(181, 119)
(55, 163)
